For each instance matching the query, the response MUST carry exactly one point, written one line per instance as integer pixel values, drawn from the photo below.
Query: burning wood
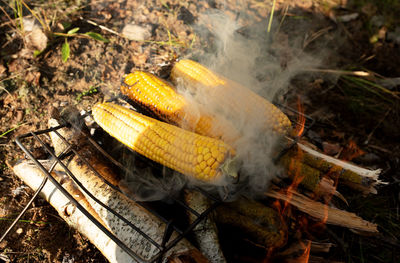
(325, 213)
(346, 171)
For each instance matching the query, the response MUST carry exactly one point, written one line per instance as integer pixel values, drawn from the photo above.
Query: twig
(4, 89)
(316, 35)
(102, 27)
(283, 18)
(339, 72)
(376, 127)
(9, 18)
(271, 16)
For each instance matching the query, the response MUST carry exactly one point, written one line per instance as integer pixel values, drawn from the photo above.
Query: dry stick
(325, 213)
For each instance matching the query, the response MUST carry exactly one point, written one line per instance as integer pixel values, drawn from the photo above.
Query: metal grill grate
(171, 225)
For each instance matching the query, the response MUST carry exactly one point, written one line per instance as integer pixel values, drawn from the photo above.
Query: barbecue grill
(171, 224)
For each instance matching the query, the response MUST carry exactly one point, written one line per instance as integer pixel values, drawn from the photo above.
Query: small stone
(38, 39)
(136, 32)
(19, 231)
(331, 148)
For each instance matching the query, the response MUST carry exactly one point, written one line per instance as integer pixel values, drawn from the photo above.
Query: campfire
(166, 193)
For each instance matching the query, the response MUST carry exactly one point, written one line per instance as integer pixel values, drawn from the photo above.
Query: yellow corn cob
(234, 97)
(191, 154)
(160, 98)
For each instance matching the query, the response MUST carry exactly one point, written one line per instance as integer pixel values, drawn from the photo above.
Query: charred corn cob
(201, 157)
(160, 98)
(234, 96)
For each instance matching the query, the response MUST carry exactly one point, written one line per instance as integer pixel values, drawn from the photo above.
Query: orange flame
(306, 254)
(301, 119)
(294, 169)
(351, 151)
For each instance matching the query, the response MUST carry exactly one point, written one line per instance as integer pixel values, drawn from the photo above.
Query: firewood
(33, 176)
(346, 171)
(323, 212)
(206, 232)
(124, 206)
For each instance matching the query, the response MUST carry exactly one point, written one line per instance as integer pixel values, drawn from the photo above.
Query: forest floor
(341, 58)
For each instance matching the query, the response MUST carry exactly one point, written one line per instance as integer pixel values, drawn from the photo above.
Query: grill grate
(166, 244)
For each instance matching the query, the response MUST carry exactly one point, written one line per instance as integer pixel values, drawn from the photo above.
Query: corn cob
(236, 98)
(201, 157)
(160, 98)
(197, 77)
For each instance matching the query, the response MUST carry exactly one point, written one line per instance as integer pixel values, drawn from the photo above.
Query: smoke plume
(261, 61)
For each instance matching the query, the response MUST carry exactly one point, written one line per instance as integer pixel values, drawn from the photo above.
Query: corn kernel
(154, 141)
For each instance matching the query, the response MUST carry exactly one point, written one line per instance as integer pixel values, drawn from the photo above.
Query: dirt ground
(356, 36)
